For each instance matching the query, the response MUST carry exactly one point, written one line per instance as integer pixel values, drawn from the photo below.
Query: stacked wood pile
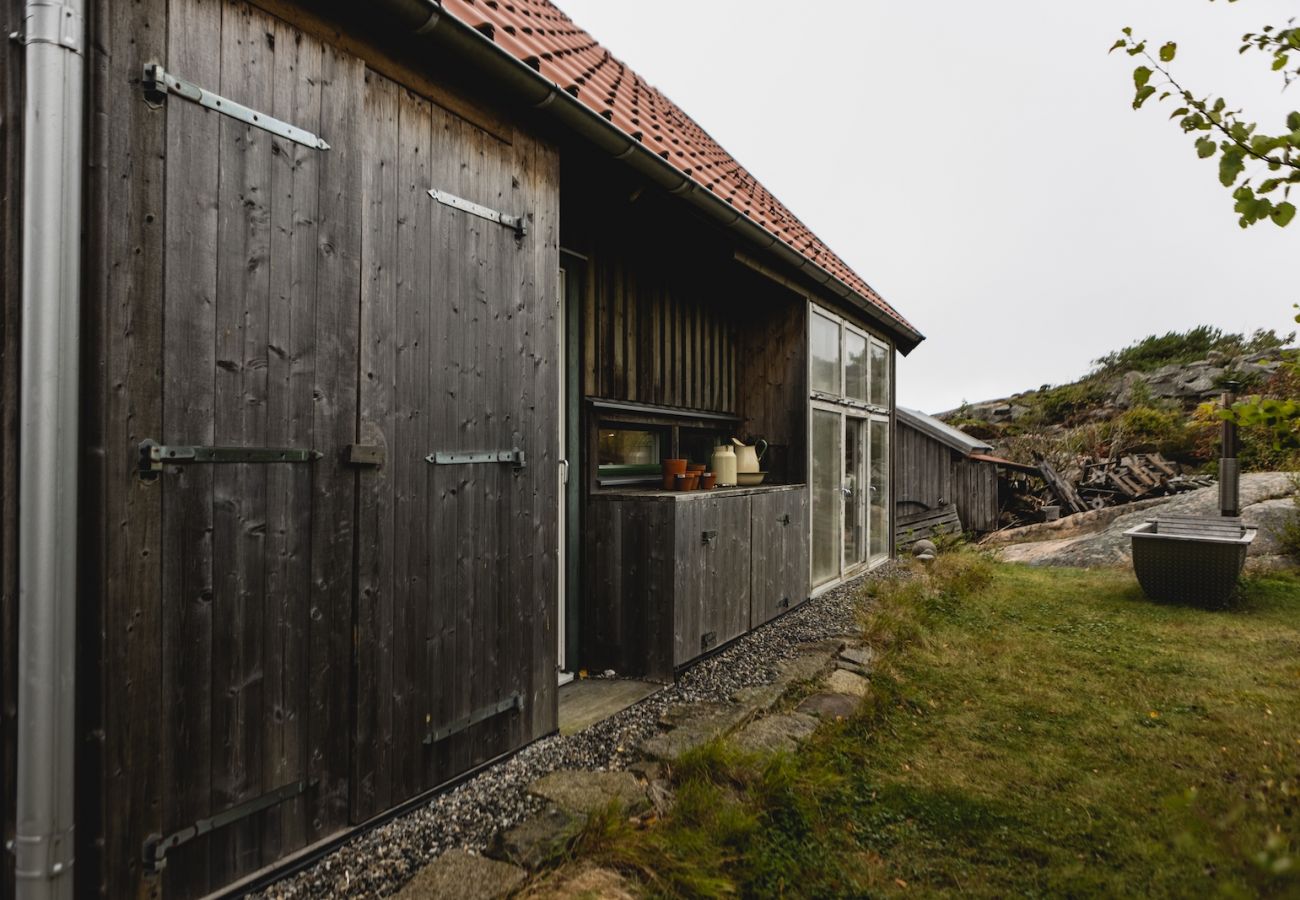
(1092, 483)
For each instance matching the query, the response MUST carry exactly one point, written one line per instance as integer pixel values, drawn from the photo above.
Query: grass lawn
(1032, 732)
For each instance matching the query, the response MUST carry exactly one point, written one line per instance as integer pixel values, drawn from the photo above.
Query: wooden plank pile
(1137, 476)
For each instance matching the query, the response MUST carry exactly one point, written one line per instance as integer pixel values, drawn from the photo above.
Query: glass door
(827, 474)
(879, 489)
(855, 492)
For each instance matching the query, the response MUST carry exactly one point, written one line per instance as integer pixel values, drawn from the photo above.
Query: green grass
(1031, 732)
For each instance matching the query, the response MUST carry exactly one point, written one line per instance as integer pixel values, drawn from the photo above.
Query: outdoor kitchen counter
(673, 575)
(715, 493)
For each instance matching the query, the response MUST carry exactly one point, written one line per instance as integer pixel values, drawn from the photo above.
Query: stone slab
(536, 840)
(842, 682)
(460, 875)
(773, 734)
(709, 721)
(862, 656)
(829, 706)
(586, 701)
(581, 793)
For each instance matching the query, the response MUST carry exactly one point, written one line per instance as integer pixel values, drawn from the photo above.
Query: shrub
(1176, 347)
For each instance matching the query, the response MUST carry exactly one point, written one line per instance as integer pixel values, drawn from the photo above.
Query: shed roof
(941, 431)
(538, 33)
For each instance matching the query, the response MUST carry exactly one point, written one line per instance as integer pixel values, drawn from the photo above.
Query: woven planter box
(1193, 561)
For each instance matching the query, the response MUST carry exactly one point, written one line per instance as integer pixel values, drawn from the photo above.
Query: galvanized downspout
(425, 17)
(54, 34)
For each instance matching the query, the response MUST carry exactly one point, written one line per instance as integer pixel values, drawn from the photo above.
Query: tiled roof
(539, 34)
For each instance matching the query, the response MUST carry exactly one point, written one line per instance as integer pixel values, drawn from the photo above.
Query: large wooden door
(456, 641)
(259, 350)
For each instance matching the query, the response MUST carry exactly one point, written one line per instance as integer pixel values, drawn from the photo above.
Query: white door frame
(562, 480)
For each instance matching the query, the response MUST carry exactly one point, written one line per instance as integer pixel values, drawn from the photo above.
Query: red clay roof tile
(538, 33)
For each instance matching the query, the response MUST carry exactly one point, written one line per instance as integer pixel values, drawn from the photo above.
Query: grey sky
(979, 165)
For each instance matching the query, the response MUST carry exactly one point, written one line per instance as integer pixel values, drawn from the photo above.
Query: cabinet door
(712, 584)
(779, 572)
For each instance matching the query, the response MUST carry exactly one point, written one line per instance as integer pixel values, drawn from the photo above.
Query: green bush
(1060, 404)
(1176, 347)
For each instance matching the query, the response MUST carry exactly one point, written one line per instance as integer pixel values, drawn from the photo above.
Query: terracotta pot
(695, 467)
(688, 482)
(707, 481)
(673, 468)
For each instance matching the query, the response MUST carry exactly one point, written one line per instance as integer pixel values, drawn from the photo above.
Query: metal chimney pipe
(1229, 481)
(54, 36)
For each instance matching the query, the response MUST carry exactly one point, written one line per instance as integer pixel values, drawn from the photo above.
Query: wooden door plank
(189, 299)
(334, 426)
(372, 773)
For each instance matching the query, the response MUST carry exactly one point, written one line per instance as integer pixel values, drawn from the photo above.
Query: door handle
(564, 471)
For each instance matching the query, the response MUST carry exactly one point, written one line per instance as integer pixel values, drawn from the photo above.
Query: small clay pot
(688, 482)
(673, 468)
(708, 481)
(695, 467)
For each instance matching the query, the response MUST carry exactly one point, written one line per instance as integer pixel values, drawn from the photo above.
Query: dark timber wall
(244, 290)
(11, 155)
(930, 474)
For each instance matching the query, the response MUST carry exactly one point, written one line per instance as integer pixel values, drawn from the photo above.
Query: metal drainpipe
(54, 35)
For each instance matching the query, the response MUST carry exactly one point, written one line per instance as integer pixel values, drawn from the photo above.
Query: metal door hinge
(708, 537)
(154, 456)
(514, 456)
(518, 224)
(156, 846)
(513, 702)
(158, 83)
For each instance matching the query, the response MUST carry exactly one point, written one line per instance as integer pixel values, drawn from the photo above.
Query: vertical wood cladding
(249, 291)
(660, 318)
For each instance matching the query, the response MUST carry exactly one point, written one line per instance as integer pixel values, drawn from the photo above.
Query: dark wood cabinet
(671, 577)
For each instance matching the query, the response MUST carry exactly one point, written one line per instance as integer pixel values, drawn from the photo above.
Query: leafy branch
(1225, 131)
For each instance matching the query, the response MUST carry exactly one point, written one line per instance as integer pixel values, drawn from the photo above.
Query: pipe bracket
(40, 857)
(52, 22)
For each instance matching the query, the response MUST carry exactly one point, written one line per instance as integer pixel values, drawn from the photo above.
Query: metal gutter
(426, 17)
(54, 35)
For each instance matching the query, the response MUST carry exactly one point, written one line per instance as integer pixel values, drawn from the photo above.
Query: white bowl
(749, 479)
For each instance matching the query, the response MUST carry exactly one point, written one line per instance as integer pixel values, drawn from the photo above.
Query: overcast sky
(980, 166)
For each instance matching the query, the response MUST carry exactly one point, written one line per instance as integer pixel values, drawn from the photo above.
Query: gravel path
(379, 862)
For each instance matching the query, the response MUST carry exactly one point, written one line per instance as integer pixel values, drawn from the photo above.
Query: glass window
(855, 366)
(825, 341)
(628, 455)
(880, 359)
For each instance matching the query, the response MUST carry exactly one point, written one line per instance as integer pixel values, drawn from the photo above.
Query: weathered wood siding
(779, 544)
(930, 474)
(249, 291)
(11, 156)
(975, 488)
(459, 335)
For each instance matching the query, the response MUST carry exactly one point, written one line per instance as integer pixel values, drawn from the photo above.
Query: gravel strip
(379, 862)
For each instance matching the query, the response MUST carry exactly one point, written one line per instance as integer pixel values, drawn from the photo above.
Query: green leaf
(1180, 111)
(1167, 52)
(1141, 75)
(1282, 214)
(1231, 164)
(1279, 62)
(1205, 147)
(1143, 95)
(1293, 121)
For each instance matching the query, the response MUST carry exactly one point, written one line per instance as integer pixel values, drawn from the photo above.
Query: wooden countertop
(681, 496)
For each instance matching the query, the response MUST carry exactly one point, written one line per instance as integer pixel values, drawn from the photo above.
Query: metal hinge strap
(154, 456)
(519, 224)
(156, 846)
(514, 456)
(158, 82)
(514, 701)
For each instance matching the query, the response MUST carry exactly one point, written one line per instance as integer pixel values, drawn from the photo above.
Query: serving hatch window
(629, 455)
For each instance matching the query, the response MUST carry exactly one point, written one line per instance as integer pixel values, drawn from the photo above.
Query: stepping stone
(536, 840)
(761, 697)
(862, 656)
(842, 682)
(460, 875)
(851, 667)
(776, 733)
(586, 884)
(711, 720)
(829, 706)
(582, 793)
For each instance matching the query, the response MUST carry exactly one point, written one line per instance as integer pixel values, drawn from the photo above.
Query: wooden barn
(942, 471)
(341, 346)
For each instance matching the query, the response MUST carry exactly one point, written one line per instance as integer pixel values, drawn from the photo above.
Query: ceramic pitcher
(723, 464)
(748, 455)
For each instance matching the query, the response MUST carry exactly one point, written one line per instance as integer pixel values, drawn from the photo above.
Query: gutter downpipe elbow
(48, 447)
